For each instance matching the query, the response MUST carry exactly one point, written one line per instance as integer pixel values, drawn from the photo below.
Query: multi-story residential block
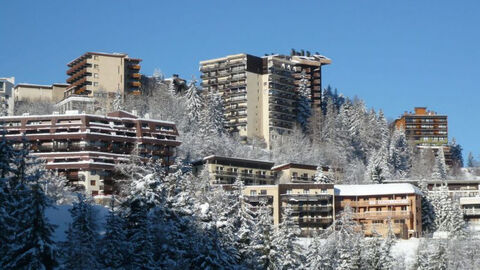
(312, 205)
(24, 92)
(86, 148)
(98, 73)
(471, 212)
(224, 170)
(424, 128)
(6, 95)
(260, 94)
(376, 207)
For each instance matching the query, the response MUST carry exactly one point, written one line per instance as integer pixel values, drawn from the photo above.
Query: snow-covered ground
(60, 217)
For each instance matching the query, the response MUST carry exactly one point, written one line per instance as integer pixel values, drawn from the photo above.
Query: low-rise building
(86, 148)
(24, 92)
(471, 212)
(376, 207)
(6, 95)
(312, 205)
(224, 170)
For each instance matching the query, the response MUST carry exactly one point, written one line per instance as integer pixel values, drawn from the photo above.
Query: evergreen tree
(79, 251)
(31, 245)
(471, 160)
(285, 252)
(117, 103)
(321, 177)
(193, 102)
(371, 253)
(58, 189)
(377, 169)
(264, 236)
(114, 245)
(386, 260)
(399, 155)
(448, 214)
(440, 169)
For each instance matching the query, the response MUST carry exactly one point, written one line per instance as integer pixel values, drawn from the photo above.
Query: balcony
(135, 75)
(136, 67)
(305, 197)
(471, 211)
(135, 84)
(382, 215)
(136, 92)
(375, 203)
(75, 67)
(254, 199)
(296, 209)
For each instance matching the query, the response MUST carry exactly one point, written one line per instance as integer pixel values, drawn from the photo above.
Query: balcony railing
(375, 203)
(137, 67)
(471, 211)
(305, 197)
(382, 215)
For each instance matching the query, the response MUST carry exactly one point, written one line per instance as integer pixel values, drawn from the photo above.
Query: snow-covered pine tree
(80, 249)
(399, 155)
(321, 177)
(31, 245)
(386, 260)
(471, 160)
(117, 103)
(264, 235)
(440, 168)
(371, 253)
(304, 108)
(428, 211)
(57, 188)
(193, 102)
(377, 168)
(286, 253)
(448, 214)
(113, 246)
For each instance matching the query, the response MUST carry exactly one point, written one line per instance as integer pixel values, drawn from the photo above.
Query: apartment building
(25, 92)
(93, 74)
(424, 128)
(312, 205)
(224, 170)
(6, 95)
(303, 173)
(260, 94)
(86, 148)
(378, 206)
(471, 212)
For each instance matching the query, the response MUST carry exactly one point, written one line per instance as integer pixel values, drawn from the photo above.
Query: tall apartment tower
(99, 73)
(424, 128)
(260, 93)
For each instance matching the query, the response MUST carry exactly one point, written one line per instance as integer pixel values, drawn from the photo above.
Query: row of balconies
(382, 215)
(389, 202)
(312, 209)
(78, 66)
(295, 198)
(471, 211)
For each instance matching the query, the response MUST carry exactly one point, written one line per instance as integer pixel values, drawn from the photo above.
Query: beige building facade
(7, 102)
(260, 93)
(36, 92)
(97, 74)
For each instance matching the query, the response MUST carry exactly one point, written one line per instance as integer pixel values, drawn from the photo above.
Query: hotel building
(86, 148)
(260, 93)
(376, 207)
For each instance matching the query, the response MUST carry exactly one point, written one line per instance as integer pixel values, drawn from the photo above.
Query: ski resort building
(25, 92)
(312, 205)
(471, 212)
(260, 94)
(426, 129)
(224, 171)
(86, 148)
(379, 206)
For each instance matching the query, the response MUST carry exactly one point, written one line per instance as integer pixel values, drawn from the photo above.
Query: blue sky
(393, 54)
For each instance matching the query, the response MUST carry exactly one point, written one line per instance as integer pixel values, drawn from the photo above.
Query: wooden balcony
(135, 75)
(375, 203)
(135, 84)
(136, 67)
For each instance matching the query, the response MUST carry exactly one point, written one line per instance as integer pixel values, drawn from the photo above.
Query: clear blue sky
(393, 54)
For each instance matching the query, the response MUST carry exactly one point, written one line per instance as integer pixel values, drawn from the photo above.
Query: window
(289, 191)
(95, 84)
(324, 190)
(92, 182)
(95, 75)
(263, 192)
(399, 221)
(377, 221)
(95, 57)
(93, 172)
(95, 66)
(404, 208)
(306, 191)
(253, 193)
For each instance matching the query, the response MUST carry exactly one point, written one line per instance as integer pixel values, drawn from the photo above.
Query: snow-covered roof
(376, 189)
